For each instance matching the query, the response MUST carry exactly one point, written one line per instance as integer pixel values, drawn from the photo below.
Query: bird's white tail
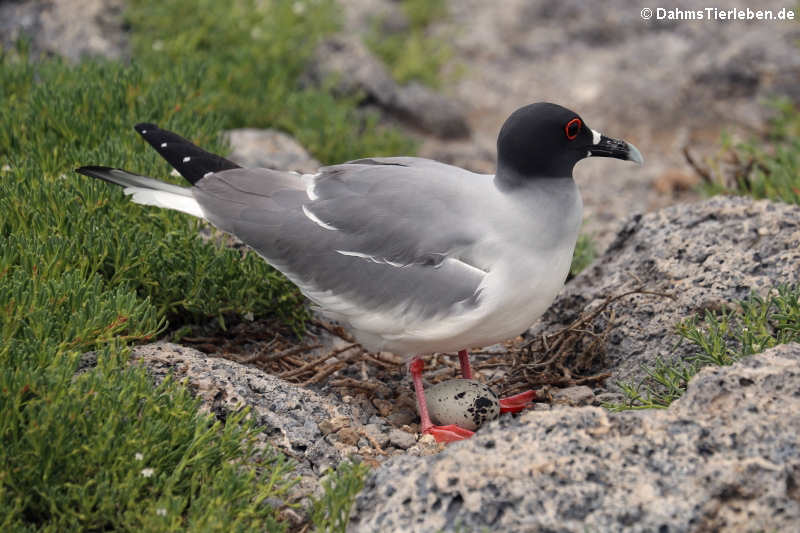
(168, 200)
(148, 191)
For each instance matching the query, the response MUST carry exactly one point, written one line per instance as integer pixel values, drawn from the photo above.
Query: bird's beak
(607, 147)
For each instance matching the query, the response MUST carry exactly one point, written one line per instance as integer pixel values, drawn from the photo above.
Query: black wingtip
(143, 127)
(191, 161)
(91, 168)
(100, 173)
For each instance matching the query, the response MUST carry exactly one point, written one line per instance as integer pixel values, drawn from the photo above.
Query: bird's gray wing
(373, 234)
(403, 210)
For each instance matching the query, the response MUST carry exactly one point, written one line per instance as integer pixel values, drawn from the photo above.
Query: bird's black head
(545, 140)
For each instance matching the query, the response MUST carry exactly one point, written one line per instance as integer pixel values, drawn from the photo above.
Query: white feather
(311, 183)
(165, 199)
(316, 220)
(379, 260)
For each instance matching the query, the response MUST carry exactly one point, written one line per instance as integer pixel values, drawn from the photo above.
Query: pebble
(401, 439)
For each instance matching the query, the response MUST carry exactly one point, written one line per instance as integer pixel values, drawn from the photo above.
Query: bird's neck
(508, 179)
(545, 214)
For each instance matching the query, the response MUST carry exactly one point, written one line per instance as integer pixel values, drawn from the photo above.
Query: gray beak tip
(635, 155)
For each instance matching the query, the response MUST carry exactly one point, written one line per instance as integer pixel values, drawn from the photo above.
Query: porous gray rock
(69, 28)
(268, 148)
(574, 396)
(354, 69)
(378, 433)
(363, 15)
(292, 417)
(725, 457)
(705, 255)
(402, 439)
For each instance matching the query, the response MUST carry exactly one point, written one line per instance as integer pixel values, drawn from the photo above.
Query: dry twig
(263, 357)
(324, 372)
(563, 355)
(313, 363)
(373, 387)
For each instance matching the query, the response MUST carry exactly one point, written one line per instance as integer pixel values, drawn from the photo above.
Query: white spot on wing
(378, 260)
(311, 185)
(315, 219)
(596, 137)
(163, 145)
(356, 254)
(311, 191)
(186, 159)
(207, 174)
(461, 262)
(144, 132)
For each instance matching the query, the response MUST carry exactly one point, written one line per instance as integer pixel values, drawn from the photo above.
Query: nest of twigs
(276, 350)
(573, 355)
(570, 356)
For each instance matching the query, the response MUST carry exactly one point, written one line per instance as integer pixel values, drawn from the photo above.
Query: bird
(414, 256)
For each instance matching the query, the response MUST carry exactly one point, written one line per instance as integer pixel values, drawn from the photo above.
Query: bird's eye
(572, 128)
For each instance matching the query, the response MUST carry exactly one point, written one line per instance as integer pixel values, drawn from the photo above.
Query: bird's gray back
(397, 231)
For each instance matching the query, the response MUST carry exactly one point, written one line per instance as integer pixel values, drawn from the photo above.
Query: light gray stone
(705, 255)
(69, 28)
(354, 69)
(574, 396)
(292, 417)
(378, 433)
(401, 439)
(725, 457)
(269, 148)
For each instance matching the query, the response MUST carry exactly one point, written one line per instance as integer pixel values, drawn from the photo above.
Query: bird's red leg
(466, 370)
(518, 402)
(448, 433)
(511, 404)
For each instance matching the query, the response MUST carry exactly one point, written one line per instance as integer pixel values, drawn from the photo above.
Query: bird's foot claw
(518, 402)
(450, 433)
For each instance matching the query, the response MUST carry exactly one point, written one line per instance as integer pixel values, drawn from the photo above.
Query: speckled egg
(464, 402)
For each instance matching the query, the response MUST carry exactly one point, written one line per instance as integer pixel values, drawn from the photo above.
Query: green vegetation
(331, 512)
(722, 338)
(249, 55)
(585, 253)
(411, 54)
(55, 222)
(766, 168)
(762, 169)
(105, 450)
(82, 269)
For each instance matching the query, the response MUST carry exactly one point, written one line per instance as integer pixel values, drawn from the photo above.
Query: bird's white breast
(527, 258)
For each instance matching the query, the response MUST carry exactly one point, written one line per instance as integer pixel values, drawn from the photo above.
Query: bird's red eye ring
(572, 128)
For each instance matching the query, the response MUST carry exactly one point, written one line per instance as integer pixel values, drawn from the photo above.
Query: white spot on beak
(316, 220)
(596, 137)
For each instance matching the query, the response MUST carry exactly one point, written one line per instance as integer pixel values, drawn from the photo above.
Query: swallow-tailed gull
(413, 255)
